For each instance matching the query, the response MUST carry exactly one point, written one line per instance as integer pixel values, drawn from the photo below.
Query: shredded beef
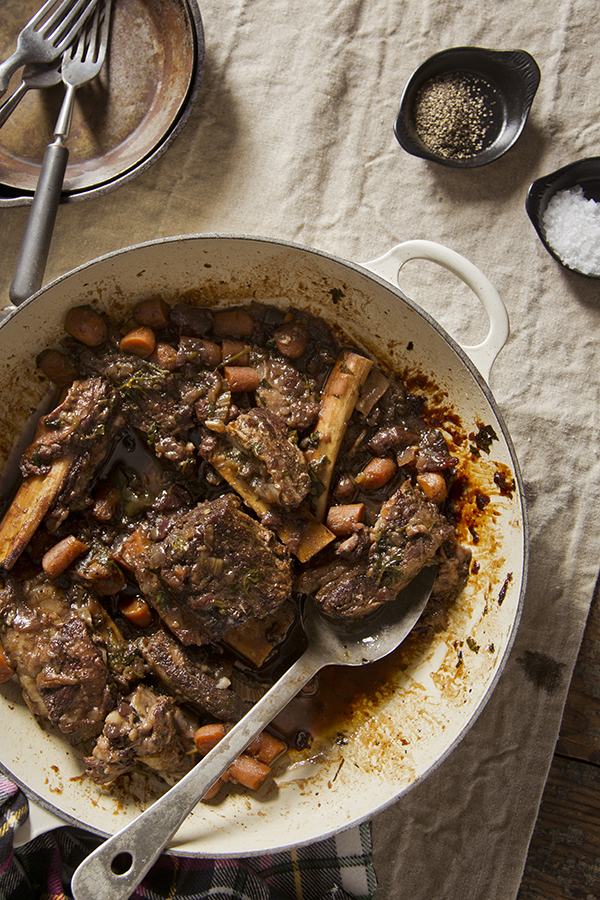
(145, 729)
(285, 391)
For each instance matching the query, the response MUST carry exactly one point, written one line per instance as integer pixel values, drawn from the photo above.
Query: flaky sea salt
(572, 226)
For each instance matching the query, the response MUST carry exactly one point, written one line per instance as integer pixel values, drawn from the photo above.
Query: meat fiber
(80, 430)
(257, 444)
(161, 405)
(146, 729)
(285, 391)
(193, 676)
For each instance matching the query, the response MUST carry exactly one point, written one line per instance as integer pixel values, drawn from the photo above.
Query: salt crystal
(572, 226)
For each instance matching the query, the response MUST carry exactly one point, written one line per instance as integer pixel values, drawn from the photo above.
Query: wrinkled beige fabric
(292, 137)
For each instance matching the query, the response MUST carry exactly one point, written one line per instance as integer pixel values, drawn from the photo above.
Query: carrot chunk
(136, 611)
(342, 519)
(265, 748)
(235, 353)
(86, 325)
(61, 555)
(139, 341)
(214, 790)
(241, 378)
(252, 767)
(207, 737)
(248, 772)
(235, 323)
(153, 312)
(165, 356)
(57, 367)
(377, 472)
(433, 485)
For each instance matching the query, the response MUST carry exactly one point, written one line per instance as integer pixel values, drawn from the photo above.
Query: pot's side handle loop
(483, 355)
(38, 822)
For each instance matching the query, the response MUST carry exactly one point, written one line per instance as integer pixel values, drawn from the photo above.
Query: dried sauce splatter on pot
(482, 440)
(173, 599)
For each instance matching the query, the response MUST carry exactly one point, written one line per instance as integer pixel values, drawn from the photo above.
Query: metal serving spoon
(113, 871)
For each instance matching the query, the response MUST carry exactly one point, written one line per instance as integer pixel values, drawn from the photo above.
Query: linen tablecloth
(292, 137)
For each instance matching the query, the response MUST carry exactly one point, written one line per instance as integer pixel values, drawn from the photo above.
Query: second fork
(47, 35)
(80, 65)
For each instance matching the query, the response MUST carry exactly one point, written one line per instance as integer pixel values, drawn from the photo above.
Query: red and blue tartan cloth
(338, 868)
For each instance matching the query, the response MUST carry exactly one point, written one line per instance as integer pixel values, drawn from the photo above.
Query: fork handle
(9, 106)
(33, 254)
(10, 65)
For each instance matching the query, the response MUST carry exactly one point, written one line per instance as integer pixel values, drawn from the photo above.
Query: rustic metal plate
(123, 119)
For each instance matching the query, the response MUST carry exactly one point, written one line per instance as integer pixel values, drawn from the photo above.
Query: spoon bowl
(113, 871)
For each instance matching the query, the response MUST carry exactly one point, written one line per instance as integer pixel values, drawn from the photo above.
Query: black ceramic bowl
(506, 81)
(586, 174)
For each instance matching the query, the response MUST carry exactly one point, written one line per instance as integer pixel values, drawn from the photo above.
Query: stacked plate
(125, 119)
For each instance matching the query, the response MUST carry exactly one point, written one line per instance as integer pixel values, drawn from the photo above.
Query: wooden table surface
(564, 855)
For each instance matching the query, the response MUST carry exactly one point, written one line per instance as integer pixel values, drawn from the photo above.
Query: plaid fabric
(339, 868)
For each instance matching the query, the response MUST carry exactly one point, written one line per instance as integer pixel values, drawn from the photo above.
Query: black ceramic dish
(510, 80)
(586, 173)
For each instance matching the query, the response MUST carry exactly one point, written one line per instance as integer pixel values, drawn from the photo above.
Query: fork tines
(61, 21)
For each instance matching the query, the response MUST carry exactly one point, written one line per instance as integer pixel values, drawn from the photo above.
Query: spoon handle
(141, 842)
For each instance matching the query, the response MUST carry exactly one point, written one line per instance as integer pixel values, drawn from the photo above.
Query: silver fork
(47, 35)
(80, 64)
(34, 76)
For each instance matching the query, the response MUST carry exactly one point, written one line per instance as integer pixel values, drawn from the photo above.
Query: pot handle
(39, 821)
(483, 355)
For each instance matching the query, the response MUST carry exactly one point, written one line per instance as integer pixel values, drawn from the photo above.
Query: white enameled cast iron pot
(429, 705)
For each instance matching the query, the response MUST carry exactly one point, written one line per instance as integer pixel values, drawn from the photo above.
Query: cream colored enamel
(405, 732)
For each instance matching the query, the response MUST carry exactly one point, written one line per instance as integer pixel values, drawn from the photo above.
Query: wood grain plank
(580, 731)
(564, 855)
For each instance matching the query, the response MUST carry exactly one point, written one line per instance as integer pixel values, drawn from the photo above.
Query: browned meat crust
(258, 445)
(163, 406)
(406, 536)
(185, 672)
(62, 671)
(80, 430)
(453, 562)
(285, 391)
(83, 423)
(211, 569)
